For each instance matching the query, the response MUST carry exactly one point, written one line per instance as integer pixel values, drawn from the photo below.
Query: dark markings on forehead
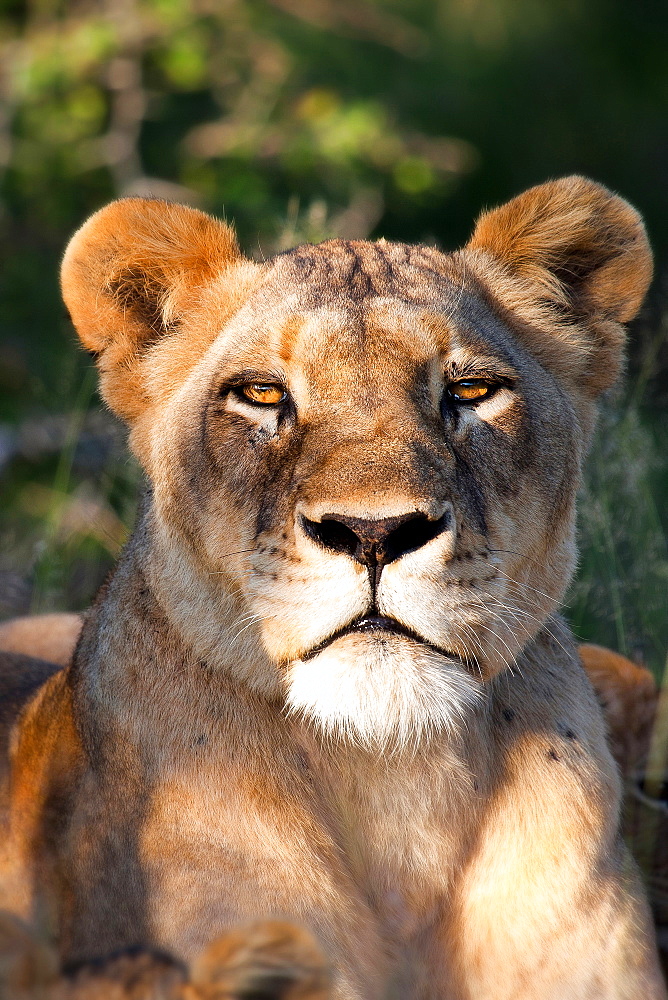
(356, 270)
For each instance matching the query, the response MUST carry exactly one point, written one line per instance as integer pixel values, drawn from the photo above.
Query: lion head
(363, 457)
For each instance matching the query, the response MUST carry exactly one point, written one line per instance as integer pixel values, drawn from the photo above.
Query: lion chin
(380, 689)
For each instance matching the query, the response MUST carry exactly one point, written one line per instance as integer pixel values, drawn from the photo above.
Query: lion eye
(471, 390)
(264, 394)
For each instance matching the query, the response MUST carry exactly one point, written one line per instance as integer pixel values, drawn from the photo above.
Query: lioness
(328, 681)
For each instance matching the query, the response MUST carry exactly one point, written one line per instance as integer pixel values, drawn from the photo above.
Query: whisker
(528, 587)
(520, 555)
(516, 612)
(244, 618)
(503, 642)
(468, 630)
(228, 555)
(255, 621)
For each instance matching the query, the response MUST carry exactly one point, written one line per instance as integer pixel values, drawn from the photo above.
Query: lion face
(364, 456)
(389, 536)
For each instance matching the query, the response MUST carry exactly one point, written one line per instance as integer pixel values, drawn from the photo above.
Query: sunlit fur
(381, 692)
(262, 717)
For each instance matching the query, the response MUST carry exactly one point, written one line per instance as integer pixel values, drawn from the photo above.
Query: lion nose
(375, 542)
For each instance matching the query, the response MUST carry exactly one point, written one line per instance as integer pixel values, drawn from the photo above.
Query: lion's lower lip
(378, 624)
(375, 623)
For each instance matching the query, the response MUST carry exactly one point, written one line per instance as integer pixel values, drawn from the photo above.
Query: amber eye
(471, 390)
(263, 393)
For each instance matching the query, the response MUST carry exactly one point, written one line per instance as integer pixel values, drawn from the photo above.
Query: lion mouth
(380, 625)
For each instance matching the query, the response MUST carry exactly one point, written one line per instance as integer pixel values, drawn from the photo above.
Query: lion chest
(378, 857)
(220, 848)
(401, 829)
(402, 844)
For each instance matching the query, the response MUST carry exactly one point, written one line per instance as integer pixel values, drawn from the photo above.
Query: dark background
(301, 119)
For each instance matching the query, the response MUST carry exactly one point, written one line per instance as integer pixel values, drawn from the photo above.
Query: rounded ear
(130, 274)
(573, 260)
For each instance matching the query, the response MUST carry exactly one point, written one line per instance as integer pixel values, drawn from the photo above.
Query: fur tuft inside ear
(129, 275)
(573, 259)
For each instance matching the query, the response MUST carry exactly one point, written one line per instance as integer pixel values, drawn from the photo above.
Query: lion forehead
(375, 307)
(356, 270)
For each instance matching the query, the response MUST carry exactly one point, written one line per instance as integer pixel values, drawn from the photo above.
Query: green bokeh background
(301, 119)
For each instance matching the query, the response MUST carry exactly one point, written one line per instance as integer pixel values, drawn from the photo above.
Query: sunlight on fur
(381, 692)
(369, 561)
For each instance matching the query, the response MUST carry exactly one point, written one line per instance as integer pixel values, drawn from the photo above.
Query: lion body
(327, 682)
(222, 821)
(45, 637)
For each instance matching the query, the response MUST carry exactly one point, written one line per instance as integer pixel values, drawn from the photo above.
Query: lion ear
(570, 258)
(129, 276)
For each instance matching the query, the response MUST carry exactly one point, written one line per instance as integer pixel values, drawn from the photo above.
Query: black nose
(375, 542)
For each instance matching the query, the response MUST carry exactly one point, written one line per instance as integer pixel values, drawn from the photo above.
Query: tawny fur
(628, 695)
(46, 637)
(264, 718)
(270, 959)
(626, 691)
